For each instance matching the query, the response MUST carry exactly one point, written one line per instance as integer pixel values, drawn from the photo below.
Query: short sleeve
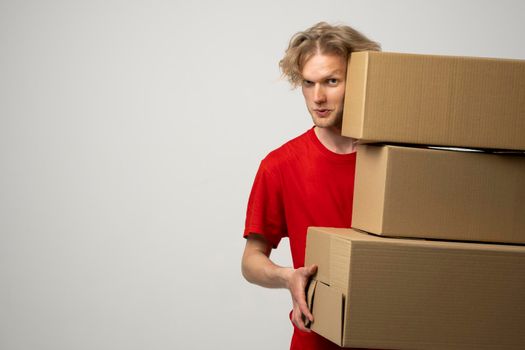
(265, 211)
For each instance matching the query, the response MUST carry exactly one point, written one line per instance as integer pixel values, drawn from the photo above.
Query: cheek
(338, 96)
(342, 93)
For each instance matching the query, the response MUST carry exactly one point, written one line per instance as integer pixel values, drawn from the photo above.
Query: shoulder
(289, 151)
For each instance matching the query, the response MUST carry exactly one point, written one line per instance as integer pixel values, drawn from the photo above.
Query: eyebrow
(336, 72)
(330, 74)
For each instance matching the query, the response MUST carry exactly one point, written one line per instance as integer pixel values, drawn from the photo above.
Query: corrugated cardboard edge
(355, 95)
(340, 253)
(316, 256)
(370, 187)
(329, 249)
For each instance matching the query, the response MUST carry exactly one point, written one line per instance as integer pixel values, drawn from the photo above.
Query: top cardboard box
(435, 100)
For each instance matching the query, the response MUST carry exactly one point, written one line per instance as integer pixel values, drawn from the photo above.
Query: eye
(307, 83)
(332, 81)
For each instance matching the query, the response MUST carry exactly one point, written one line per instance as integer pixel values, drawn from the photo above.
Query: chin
(327, 123)
(333, 121)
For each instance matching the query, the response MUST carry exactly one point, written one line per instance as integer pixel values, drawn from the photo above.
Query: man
(309, 181)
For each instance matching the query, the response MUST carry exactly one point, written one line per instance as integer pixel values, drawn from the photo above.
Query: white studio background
(130, 132)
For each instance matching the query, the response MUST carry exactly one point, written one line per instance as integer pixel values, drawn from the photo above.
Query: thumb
(311, 269)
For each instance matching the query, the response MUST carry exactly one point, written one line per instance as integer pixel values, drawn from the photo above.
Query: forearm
(257, 268)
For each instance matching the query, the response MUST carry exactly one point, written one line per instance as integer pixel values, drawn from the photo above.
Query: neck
(332, 139)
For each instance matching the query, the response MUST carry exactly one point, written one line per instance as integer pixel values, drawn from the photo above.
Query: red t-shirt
(298, 185)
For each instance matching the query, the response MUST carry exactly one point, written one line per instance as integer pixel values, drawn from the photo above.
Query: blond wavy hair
(322, 38)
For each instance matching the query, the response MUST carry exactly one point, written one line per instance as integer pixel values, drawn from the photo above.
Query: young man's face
(324, 89)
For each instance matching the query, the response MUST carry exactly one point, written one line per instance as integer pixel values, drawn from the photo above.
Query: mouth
(322, 112)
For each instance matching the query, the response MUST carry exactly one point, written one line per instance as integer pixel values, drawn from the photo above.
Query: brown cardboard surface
(435, 100)
(440, 194)
(418, 294)
(328, 308)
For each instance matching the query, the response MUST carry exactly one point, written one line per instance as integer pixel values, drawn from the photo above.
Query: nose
(319, 94)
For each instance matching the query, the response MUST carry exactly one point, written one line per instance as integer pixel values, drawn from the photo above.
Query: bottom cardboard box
(392, 293)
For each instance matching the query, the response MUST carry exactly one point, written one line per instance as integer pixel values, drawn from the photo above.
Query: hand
(297, 282)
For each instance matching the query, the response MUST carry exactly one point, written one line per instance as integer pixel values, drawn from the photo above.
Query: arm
(257, 268)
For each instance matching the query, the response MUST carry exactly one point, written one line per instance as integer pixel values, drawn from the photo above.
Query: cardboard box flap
(310, 291)
(326, 305)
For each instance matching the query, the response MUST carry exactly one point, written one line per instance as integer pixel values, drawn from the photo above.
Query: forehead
(322, 66)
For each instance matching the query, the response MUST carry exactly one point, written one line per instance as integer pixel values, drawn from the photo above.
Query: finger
(299, 299)
(299, 322)
(303, 307)
(296, 317)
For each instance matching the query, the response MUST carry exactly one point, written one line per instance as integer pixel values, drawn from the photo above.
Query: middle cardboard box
(440, 194)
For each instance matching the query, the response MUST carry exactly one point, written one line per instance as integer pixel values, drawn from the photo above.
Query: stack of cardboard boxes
(436, 255)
